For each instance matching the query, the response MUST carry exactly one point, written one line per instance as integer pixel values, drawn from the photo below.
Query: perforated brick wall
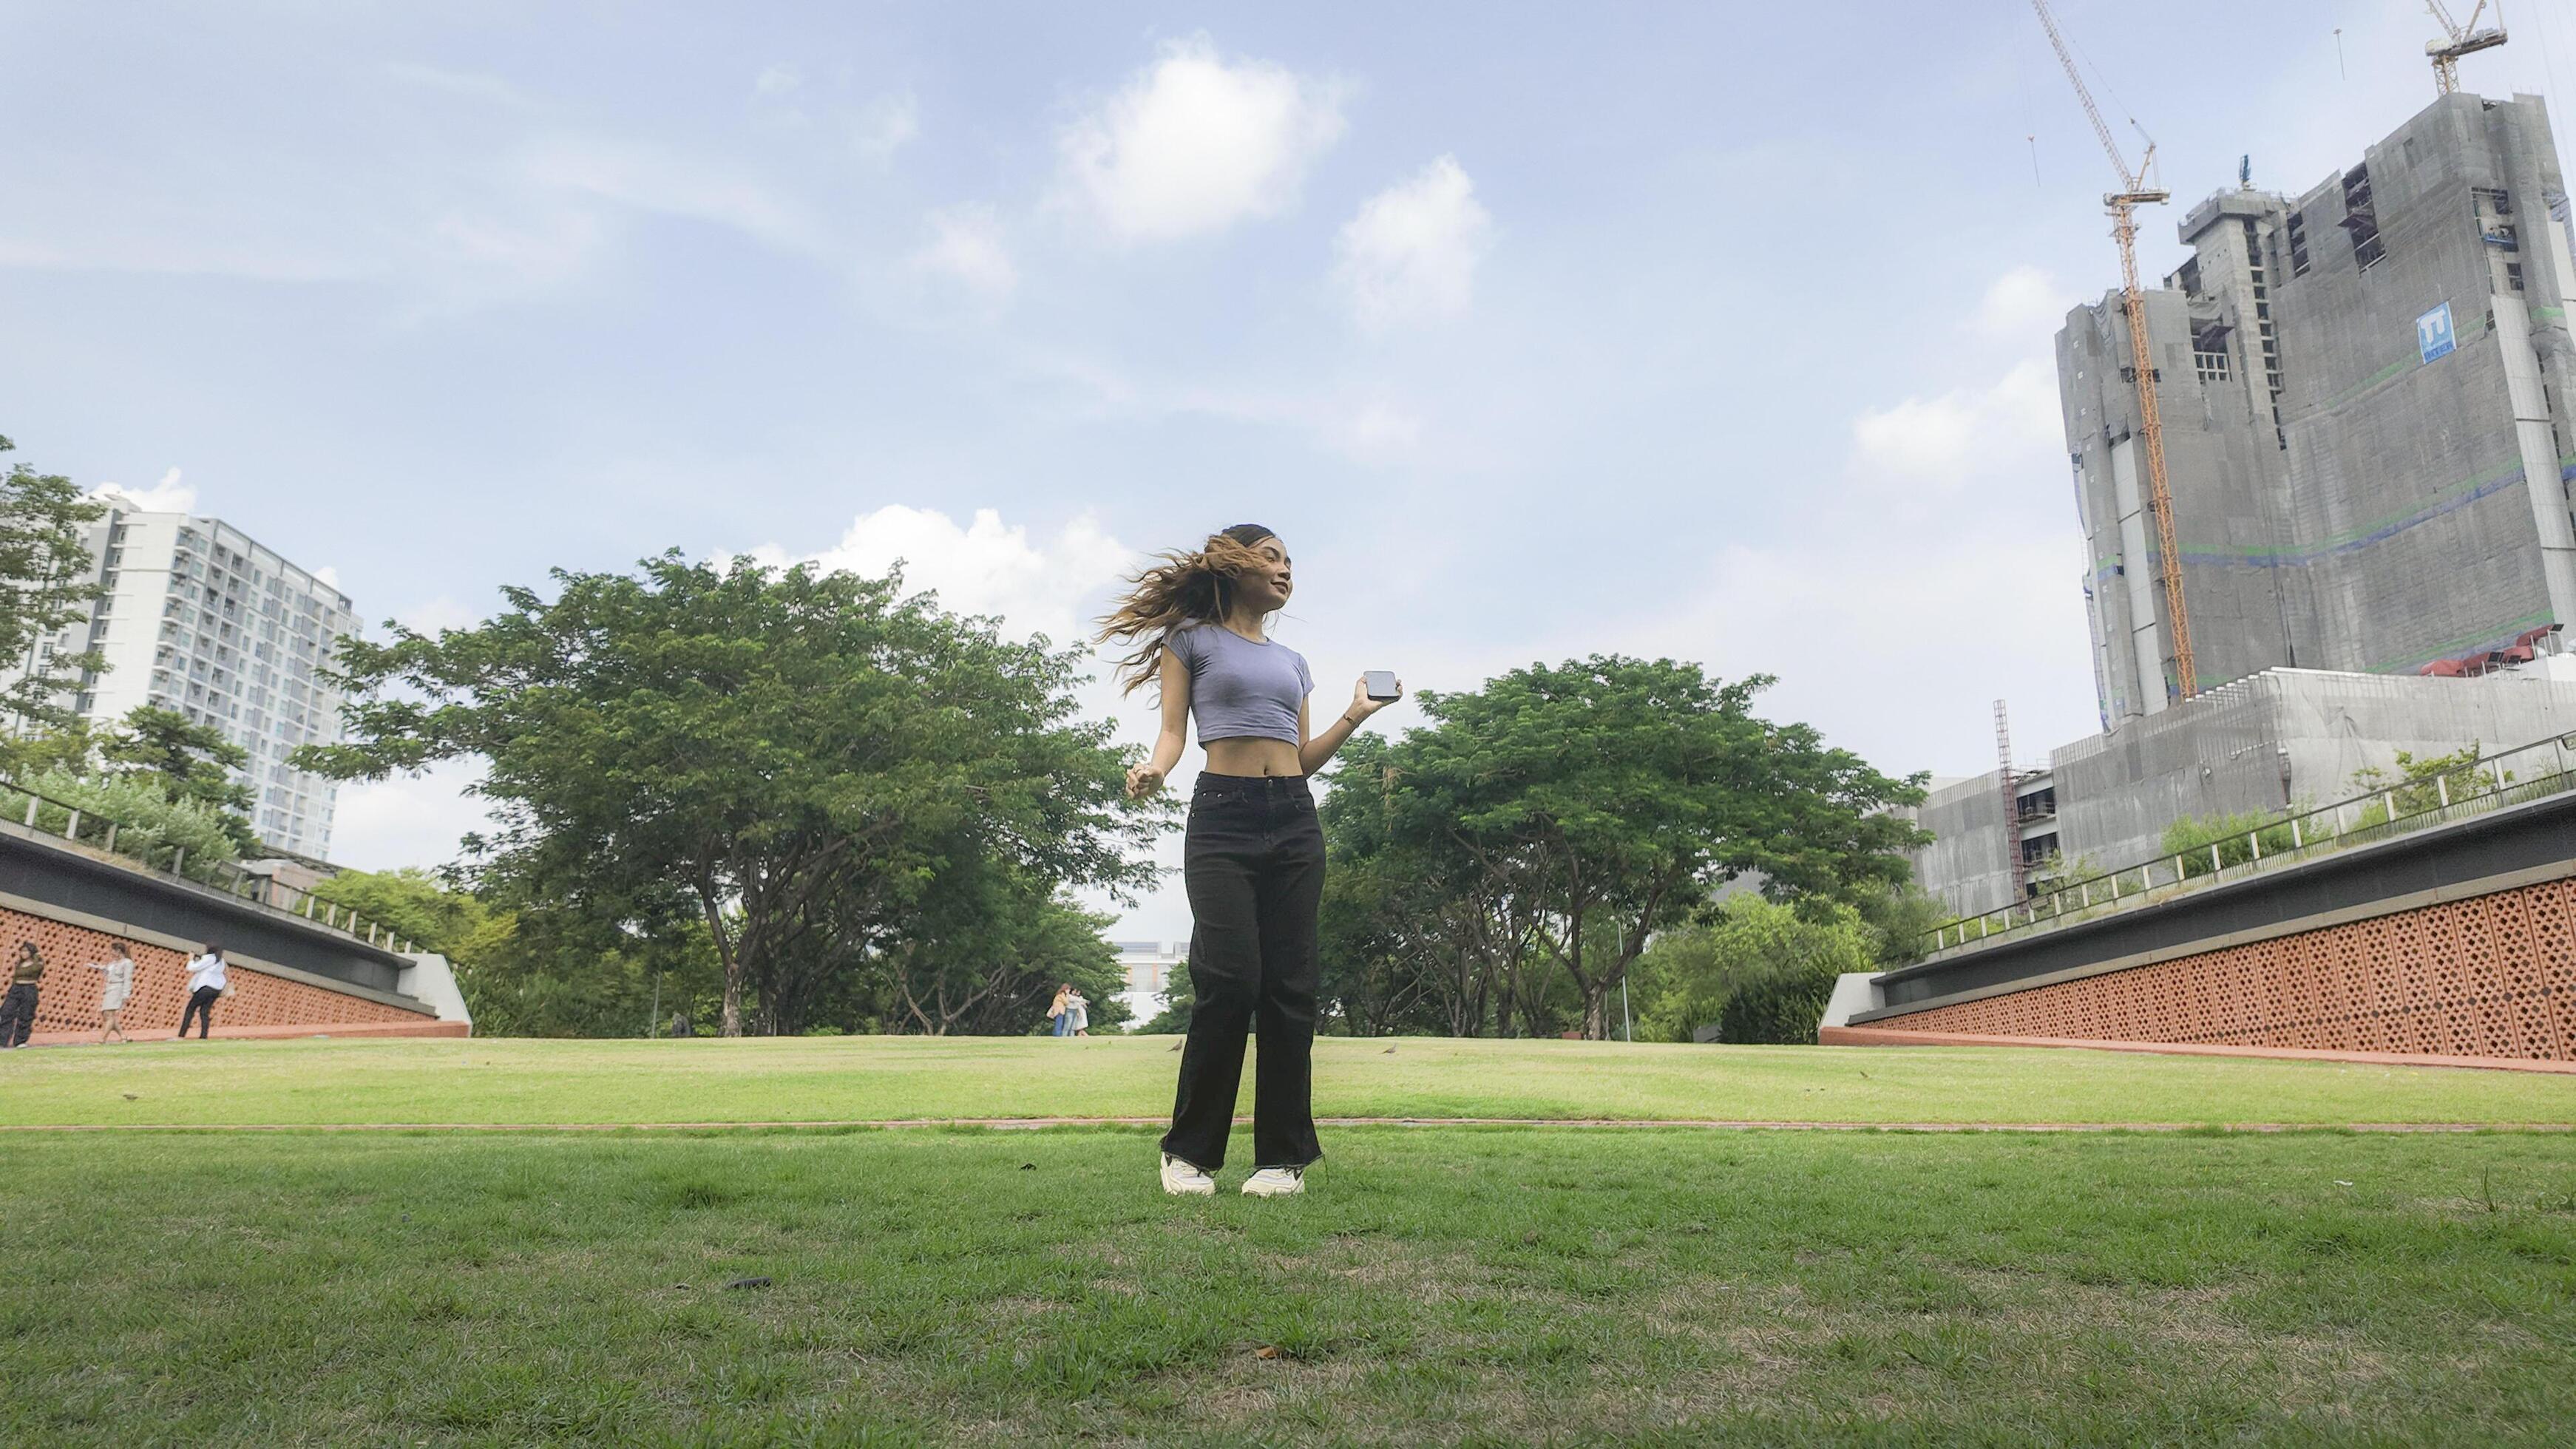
(68, 998)
(2491, 976)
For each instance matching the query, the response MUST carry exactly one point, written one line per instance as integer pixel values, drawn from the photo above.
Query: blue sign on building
(2433, 333)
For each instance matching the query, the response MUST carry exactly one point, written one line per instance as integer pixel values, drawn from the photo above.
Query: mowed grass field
(1474, 1285)
(829, 1079)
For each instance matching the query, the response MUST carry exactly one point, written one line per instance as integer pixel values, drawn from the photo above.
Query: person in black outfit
(1254, 859)
(18, 1007)
(206, 983)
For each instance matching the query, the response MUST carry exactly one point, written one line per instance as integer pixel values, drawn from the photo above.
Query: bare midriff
(1252, 757)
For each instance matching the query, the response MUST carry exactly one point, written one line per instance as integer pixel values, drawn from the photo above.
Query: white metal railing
(2529, 772)
(45, 815)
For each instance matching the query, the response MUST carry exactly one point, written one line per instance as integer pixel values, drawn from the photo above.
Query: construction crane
(2012, 806)
(2122, 204)
(2464, 40)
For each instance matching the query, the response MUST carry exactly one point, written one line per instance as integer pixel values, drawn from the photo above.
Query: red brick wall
(68, 999)
(2491, 976)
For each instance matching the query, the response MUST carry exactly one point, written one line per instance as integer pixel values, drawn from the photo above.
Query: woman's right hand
(1143, 780)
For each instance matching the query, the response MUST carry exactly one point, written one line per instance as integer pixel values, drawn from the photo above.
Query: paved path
(1031, 1124)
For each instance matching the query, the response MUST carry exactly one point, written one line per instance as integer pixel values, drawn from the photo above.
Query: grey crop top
(1240, 689)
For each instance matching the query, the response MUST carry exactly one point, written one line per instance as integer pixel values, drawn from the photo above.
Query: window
(2211, 366)
(2360, 220)
(2513, 275)
(2298, 245)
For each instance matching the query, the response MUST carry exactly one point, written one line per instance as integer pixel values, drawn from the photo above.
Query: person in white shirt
(115, 989)
(205, 983)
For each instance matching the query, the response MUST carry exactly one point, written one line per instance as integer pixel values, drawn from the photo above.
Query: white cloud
(1375, 432)
(167, 496)
(1194, 143)
(2024, 305)
(438, 614)
(405, 820)
(965, 243)
(777, 80)
(328, 575)
(547, 245)
(652, 180)
(1892, 640)
(885, 125)
(1036, 586)
(1943, 442)
(1412, 250)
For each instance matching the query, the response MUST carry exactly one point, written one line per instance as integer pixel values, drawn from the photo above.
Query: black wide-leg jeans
(1254, 866)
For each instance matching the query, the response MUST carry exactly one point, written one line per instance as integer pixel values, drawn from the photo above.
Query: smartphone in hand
(1381, 684)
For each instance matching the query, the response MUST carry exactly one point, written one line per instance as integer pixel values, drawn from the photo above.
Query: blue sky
(1712, 331)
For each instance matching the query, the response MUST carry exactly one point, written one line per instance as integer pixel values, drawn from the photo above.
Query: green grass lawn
(870, 1078)
(1437, 1285)
(1444, 1284)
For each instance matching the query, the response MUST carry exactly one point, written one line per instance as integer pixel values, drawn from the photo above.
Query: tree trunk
(729, 956)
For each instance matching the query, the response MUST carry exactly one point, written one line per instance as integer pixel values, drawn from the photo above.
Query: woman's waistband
(1244, 784)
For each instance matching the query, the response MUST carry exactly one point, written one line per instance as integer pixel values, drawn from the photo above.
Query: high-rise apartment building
(198, 618)
(2365, 399)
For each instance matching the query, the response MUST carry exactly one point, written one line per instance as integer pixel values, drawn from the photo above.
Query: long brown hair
(1181, 588)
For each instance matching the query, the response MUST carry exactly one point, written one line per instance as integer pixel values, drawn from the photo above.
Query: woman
(18, 1006)
(1077, 1009)
(116, 987)
(1059, 1013)
(1254, 858)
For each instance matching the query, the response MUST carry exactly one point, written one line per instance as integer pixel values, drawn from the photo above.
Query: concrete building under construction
(2365, 397)
(2364, 391)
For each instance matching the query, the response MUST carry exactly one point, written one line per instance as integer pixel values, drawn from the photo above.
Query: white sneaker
(1275, 1182)
(1181, 1179)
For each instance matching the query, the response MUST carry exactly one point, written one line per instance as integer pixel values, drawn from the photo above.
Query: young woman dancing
(1254, 858)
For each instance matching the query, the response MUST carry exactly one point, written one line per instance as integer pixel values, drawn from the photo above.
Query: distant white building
(198, 618)
(1149, 966)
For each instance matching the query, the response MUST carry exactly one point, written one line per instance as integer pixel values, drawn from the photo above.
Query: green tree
(1417, 934)
(1756, 970)
(186, 761)
(984, 953)
(413, 904)
(1609, 796)
(795, 753)
(560, 969)
(1898, 919)
(46, 582)
(1180, 998)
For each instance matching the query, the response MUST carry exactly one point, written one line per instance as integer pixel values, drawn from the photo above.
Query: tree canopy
(810, 765)
(46, 582)
(1540, 831)
(185, 761)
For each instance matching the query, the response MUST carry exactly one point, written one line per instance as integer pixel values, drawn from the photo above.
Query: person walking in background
(1060, 1013)
(1254, 858)
(206, 982)
(18, 1007)
(116, 987)
(1078, 1007)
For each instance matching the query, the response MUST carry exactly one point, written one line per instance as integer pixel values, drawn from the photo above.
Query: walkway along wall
(288, 977)
(2455, 943)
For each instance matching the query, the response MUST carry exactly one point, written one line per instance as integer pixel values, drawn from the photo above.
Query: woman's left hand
(1362, 706)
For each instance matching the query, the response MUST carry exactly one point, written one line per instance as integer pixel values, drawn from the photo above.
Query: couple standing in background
(1071, 1011)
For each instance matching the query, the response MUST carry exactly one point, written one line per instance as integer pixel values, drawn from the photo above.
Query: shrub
(2192, 838)
(149, 826)
(1758, 971)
